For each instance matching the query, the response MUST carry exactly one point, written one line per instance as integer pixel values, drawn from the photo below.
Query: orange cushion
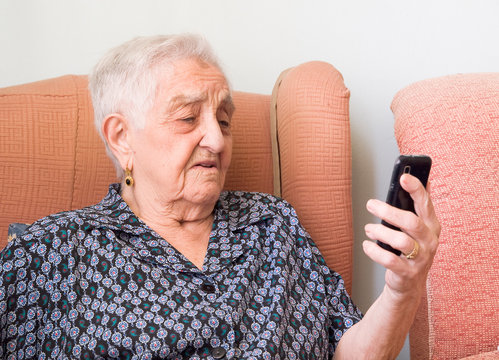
(49, 151)
(315, 156)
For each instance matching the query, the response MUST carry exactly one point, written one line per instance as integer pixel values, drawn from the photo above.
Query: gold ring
(414, 251)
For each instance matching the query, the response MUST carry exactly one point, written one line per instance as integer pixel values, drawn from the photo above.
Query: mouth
(206, 164)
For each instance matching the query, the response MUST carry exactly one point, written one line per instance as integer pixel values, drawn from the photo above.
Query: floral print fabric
(98, 283)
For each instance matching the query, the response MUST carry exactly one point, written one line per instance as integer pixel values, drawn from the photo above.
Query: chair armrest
(314, 157)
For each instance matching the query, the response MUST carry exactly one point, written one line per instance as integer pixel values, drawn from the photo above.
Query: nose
(213, 138)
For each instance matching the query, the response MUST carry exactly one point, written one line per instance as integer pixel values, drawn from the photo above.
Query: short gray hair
(125, 80)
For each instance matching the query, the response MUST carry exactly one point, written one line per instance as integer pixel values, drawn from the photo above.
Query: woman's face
(184, 150)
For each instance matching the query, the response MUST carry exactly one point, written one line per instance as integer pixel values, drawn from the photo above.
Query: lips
(207, 164)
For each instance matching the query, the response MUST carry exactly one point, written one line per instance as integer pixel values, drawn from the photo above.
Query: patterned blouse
(98, 283)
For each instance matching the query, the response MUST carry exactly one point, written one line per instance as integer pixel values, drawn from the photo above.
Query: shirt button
(209, 288)
(218, 353)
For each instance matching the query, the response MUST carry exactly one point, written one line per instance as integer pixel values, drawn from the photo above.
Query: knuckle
(415, 223)
(392, 261)
(406, 241)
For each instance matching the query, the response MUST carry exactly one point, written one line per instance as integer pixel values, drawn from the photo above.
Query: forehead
(191, 78)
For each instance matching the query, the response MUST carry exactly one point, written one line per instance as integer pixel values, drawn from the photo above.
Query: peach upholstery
(52, 158)
(455, 120)
(492, 355)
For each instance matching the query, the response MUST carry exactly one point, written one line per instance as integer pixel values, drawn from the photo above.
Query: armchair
(53, 160)
(455, 120)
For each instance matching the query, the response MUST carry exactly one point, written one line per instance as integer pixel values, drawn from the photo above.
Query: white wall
(379, 46)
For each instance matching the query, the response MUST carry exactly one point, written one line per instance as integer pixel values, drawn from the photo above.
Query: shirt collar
(237, 211)
(242, 209)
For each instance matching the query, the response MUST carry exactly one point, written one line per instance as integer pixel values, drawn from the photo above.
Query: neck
(186, 226)
(155, 208)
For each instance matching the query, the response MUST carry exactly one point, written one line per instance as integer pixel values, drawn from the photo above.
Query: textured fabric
(52, 158)
(48, 144)
(493, 355)
(98, 283)
(313, 131)
(251, 166)
(276, 156)
(455, 120)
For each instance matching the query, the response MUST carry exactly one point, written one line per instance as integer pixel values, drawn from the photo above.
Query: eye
(225, 124)
(188, 119)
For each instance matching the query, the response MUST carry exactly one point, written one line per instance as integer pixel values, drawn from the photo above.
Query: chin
(206, 194)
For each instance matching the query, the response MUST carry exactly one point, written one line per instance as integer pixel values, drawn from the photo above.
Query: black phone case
(416, 165)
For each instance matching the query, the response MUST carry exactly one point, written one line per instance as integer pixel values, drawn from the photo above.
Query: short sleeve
(342, 311)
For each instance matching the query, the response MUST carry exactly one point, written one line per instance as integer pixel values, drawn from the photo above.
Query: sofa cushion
(454, 119)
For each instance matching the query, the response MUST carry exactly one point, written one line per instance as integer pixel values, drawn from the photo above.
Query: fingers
(390, 261)
(405, 220)
(413, 228)
(396, 239)
(405, 276)
(422, 228)
(422, 201)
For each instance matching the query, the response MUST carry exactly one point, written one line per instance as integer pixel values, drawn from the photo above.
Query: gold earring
(128, 177)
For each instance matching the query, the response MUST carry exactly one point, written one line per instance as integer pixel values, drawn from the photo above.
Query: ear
(116, 129)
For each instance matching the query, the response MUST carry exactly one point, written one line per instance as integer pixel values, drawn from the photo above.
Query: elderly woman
(167, 266)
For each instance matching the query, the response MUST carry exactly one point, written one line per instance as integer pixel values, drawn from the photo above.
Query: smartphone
(416, 165)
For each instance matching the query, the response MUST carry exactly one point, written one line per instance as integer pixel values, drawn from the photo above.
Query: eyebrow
(228, 103)
(184, 100)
